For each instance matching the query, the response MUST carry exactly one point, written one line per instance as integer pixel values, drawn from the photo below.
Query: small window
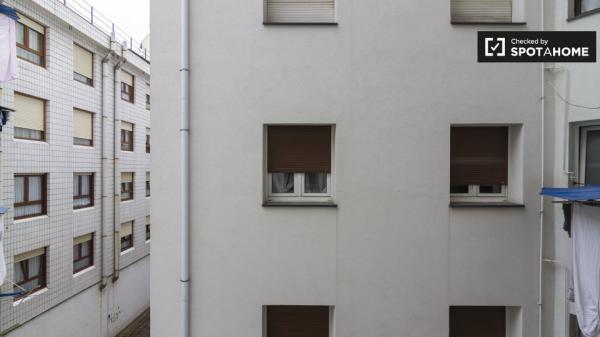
(83, 65)
(126, 136)
(83, 252)
(147, 184)
(590, 156)
(127, 186)
(477, 321)
(147, 228)
(310, 11)
(83, 128)
(83, 190)
(585, 6)
(299, 163)
(30, 195)
(126, 236)
(29, 118)
(481, 11)
(147, 140)
(298, 320)
(127, 87)
(31, 42)
(30, 272)
(479, 163)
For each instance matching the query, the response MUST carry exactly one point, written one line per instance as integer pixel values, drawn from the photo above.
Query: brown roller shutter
(299, 149)
(297, 321)
(477, 322)
(479, 155)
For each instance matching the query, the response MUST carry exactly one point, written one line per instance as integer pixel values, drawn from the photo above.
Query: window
(574, 330)
(147, 140)
(590, 156)
(586, 6)
(297, 320)
(147, 184)
(127, 87)
(481, 11)
(83, 65)
(147, 228)
(83, 252)
(147, 96)
(127, 186)
(30, 195)
(83, 190)
(299, 163)
(30, 271)
(126, 136)
(126, 236)
(30, 40)
(311, 11)
(30, 118)
(479, 163)
(83, 128)
(478, 321)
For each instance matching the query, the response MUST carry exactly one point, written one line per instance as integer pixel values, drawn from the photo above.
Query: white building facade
(75, 177)
(363, 233)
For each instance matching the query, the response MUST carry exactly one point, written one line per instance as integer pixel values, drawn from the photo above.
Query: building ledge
(299, 204)
(501, 204)
(470, 23)
(300, 23)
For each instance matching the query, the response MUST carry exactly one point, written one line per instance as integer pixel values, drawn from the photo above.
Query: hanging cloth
(2, 260)
(8, 48)
(586, 267)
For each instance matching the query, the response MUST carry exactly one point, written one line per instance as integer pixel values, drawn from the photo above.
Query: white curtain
(19, 189)
(85, 185)
(282, 183)
(315, 183)
(588, 5)
(75, 185)
(35, 188)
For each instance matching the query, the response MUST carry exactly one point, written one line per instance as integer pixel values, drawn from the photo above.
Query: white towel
(586, 267)
(8, 49)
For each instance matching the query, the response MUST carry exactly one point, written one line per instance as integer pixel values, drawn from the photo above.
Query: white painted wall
(393, 77)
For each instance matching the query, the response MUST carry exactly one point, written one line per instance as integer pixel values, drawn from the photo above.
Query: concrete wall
(60, 159)
(393, 77)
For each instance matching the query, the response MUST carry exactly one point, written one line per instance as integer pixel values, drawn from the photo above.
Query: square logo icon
(495, 46)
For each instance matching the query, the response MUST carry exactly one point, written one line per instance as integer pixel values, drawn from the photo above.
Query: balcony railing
(97, 19)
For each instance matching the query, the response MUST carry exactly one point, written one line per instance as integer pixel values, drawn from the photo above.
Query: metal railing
(97, 19)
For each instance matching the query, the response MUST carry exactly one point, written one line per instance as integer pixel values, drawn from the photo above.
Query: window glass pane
(588, 5)
(28, 134)
(28, 210)
(35, 188)
(19, 272)
(75, 185)
(592, 164)
(85, 248)
(35, 40)
(20, 33)
(85, 185)
(76, 252)
(19, 189)
(282, 183)
(489, 189)
(315, 183)
(35, 266)
(459, 189)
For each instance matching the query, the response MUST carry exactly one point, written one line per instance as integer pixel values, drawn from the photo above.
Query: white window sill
(29, 141)
(31, 296)
(127, 251)
(485, 204)
(88, 269)
(84, 147)
(148, 241)
(79, 210)
(39, 217)
(270, 203)
(127, 201)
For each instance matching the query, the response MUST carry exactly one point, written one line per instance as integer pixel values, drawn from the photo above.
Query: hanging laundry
(585, 228)
(2, 260)
(8, 44)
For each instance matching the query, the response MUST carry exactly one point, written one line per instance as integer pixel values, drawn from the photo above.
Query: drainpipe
(184, 132)
(117, 168)
(542, 181)
(103, 167)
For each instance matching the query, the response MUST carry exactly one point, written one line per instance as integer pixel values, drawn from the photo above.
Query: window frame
(148, 230)
(128, 91)
(131, 184)
(147, 101)
(80, 175)
(25, 45)
(128, 146)
(43, 133)
(148, 191)
(147, 140)
(577, 10)
(81, 257)
(91, 141)
(584, 130)
(127, 238)
(26, 202)
(25, 271)
(88, 81)
(299, 196)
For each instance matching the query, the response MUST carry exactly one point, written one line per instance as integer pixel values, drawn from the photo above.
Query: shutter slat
(83, 61)
(29, 113)
(127, 78)
(82, 124)
(300, 11)
(126, 228)
(479, 156)
(299, 149)
(481, 10)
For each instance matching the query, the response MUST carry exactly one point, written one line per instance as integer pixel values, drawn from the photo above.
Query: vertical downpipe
(117, 170)
(184, 73)
(542, 174)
